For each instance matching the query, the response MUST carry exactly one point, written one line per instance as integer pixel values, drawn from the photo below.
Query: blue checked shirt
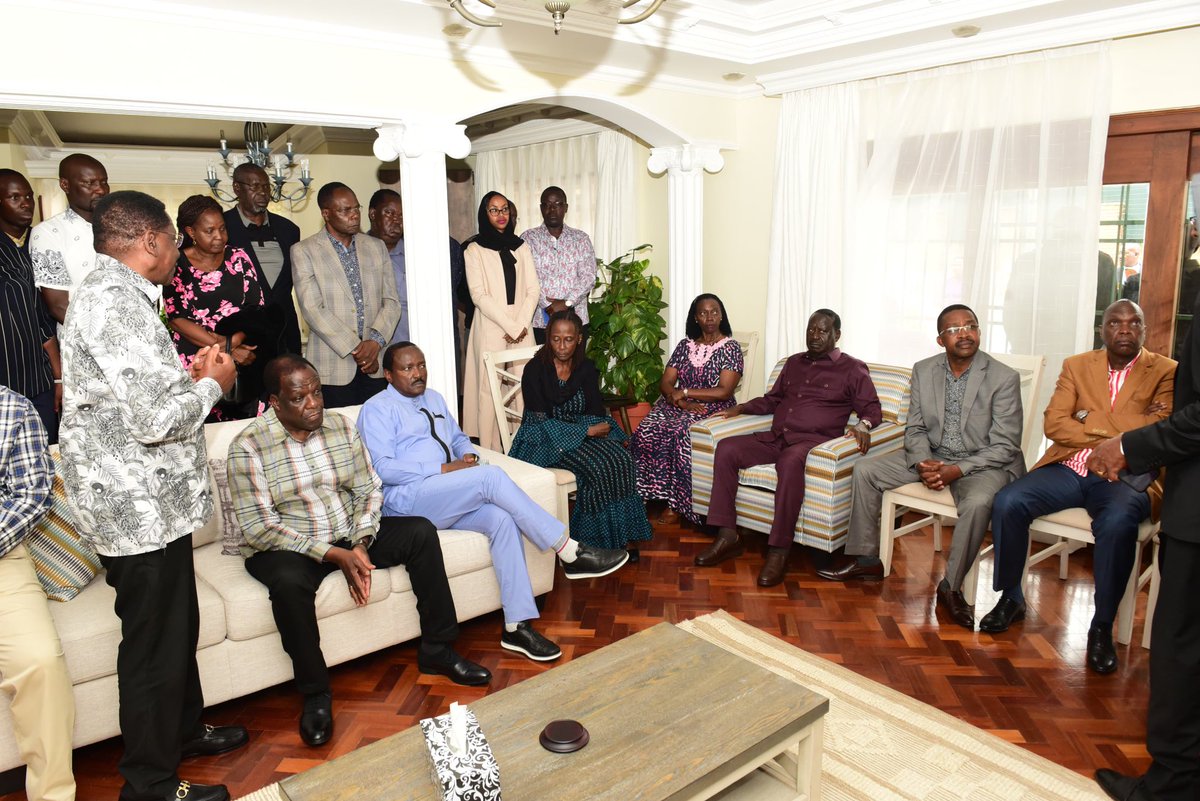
(25, 469)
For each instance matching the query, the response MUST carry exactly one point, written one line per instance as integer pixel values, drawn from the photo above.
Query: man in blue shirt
(430, 469)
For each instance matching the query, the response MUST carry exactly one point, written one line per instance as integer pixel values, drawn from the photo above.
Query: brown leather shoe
(775, 569)
(727, 545)
(955, 605)
(669, 517)
(851, 569)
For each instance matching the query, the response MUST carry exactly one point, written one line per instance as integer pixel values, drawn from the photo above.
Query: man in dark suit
(268, 238)
(964, 435)
(1173, 717)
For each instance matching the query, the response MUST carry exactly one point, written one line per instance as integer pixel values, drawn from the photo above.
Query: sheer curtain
(521, 173)
(976, 183)
(595, 170)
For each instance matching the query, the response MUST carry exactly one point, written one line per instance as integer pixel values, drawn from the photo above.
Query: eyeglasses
(554, 204)
(342, 211)
(498, 212)
(178, 237)
(254, 186)
(955, 330)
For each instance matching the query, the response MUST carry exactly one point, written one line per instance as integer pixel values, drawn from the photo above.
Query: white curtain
(521, 173)
(979, 184)
(595, 170)
(616, 198)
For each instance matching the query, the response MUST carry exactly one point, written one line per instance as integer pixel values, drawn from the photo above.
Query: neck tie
(433, 431)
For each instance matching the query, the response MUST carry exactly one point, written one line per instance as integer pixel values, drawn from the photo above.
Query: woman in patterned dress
(700, 378)
(565, 424)
(216, 298)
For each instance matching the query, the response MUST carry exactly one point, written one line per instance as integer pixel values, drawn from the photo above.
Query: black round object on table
(563, 736)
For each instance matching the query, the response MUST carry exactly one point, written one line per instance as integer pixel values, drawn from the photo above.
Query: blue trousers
(486, 500)
(1116, 511)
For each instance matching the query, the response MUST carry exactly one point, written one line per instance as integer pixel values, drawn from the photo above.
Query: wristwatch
(570, 303)
(366, 542)
(865, 423)
(1081, 415)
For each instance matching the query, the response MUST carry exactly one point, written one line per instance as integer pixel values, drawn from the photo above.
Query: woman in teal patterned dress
(566, 425)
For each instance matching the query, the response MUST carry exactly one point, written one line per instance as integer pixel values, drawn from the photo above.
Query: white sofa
(239, 651)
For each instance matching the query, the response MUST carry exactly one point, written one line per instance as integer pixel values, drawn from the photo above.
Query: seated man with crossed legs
(429, 468)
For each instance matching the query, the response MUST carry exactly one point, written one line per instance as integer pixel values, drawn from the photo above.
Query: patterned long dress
(661, 447)
(208, 297)
(608, 512)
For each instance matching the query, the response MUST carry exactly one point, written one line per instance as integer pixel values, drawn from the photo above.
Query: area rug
(881, 745)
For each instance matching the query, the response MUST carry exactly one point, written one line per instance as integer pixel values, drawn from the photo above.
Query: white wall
(1156, 71)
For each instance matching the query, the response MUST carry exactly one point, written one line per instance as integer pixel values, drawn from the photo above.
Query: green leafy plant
(627, 328)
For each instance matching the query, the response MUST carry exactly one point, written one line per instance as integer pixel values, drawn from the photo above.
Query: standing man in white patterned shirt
(134, 467)
(565, 263)
(61, 246)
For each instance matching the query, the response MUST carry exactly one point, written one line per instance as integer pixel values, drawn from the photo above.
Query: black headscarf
(503, 242)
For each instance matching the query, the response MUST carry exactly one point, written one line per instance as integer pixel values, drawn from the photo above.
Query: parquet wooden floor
(1028, 685)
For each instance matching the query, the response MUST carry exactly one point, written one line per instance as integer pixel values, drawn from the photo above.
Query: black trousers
(354, 393)
(157, 677)
(1173, 717)
(293, 578)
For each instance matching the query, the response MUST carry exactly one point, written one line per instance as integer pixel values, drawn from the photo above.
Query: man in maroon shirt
(811, 401)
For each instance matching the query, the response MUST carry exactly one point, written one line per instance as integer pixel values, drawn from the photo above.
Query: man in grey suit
(964, 434)
(347, 295)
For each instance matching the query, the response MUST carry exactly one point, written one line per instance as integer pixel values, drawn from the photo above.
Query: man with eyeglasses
(135, 470)
(347, 294)
(268, 238)
(61, 246)
(964, 435)
(565, 262)
(1100, 394)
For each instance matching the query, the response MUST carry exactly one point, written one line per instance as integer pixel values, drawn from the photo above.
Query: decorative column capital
(687, 158)
(413, 139)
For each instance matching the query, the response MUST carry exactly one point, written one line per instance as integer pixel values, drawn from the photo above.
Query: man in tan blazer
(347, 295)
(1099, 395)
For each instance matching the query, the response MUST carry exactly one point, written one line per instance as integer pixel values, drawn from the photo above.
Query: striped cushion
(63, 562)
(892, 385)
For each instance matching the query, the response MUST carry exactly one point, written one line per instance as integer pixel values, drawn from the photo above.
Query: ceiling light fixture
(558, 10)
(258, 152)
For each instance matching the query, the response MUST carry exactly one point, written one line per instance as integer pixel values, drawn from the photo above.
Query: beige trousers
(33, 674)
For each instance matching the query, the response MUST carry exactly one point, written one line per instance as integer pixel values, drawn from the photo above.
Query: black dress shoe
(955, 605)
(527, 641)
(1101, 653)
(727, 545)
(851, 570)
(316, 721)
(215, 740)
(775, 569)
(1002, 616)
(198, 792)
(595, 562)
(458, 669)
(1122, 787)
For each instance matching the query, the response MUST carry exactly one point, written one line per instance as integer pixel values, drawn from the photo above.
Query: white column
(685, 166)
(422, 147)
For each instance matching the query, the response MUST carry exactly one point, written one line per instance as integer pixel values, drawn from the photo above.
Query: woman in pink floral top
(700, 378)
(216, 298)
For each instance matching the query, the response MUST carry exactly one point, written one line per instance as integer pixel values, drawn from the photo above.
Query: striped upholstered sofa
(826, 511)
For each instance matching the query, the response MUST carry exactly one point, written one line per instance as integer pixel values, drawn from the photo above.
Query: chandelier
(558, 10)
(279, 167)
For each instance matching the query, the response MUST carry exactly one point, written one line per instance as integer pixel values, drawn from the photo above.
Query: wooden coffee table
(671, 716)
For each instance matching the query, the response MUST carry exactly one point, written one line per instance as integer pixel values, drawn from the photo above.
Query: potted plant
(627, 330)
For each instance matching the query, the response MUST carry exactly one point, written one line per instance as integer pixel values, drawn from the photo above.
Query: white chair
(748, 340)
(505, 385)
(938, 505)
(1153, 576)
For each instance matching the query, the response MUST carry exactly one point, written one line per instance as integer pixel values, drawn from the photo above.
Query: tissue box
(473, 776)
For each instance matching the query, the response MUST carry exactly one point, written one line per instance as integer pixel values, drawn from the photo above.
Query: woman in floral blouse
(216, 298)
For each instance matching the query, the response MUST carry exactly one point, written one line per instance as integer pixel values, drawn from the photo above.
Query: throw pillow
(64, 563)
(232, 538)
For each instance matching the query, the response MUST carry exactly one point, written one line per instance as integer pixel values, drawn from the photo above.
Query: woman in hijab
(504, 287)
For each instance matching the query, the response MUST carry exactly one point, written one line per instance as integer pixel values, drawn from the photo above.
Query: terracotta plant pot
(636, 414)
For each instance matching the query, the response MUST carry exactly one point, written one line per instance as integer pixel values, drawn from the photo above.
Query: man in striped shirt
(1099, 395)
(309, 504)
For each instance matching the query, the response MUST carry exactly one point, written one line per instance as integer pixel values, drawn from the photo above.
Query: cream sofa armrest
(708, 432)
(537, 482)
